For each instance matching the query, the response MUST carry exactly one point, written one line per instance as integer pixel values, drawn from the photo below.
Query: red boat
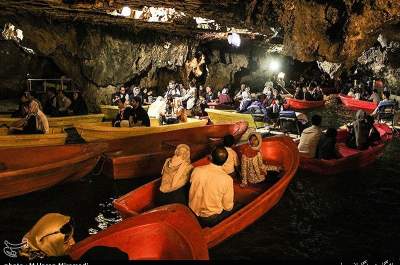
(298, 104)
(353, 103)
(166, 233)
(27, 169)
(257, 199)
(350, 158)
(144, 156)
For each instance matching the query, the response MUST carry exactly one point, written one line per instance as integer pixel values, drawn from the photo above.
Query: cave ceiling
(336, 31)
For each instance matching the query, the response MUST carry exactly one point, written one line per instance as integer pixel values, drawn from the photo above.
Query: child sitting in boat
(327, 145)
(175, 175)
(231, 166)
(253, 168)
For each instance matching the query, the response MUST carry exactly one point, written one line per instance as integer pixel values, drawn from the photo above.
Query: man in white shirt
(310, 137)
(232, 163)
(211, 191)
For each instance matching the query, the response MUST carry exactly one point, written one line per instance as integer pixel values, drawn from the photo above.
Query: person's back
(310, 137)
(211, 192)
(138, 115)
(232, 162)
(327, 145)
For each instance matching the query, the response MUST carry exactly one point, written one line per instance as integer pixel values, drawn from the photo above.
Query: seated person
(157, 107)
(385, 102)
(63, 103)
(327, 145)
(122, 118)
(231, 165)
(175, 175)
(209, 95)
(50, 108)
(78, 106)
(318, 94)
(138, 117)
(34, 121)
(120, 94)
(211, 192)
(374, 96)
(307, 94)
(224, 97)
(245, 100)
(253, 168)
(310, 137)
(359, 132)
(374, 134)
(51, 236)
(299, 94)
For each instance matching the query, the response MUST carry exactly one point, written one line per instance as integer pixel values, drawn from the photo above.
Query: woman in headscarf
(51, 236)
(175, 175)
(360, 131)
(34, 122)
(253, 168)
(157, 107)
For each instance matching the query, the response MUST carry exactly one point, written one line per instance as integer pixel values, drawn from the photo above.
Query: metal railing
(63, 82)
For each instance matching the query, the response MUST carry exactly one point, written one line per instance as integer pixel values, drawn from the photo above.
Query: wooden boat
(56, 136)
(63, 122)
(101, 131)
(110, 112)
(297, 104)
(144, 156)
(224, 116)
(353, 103)
(170, 232)
(350, 158)
(23, 170)
(258, 199)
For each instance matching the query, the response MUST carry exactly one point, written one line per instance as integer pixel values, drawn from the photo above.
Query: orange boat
(350, 158)
(355, 104)
(297, 104)
(144, 156)
(216, 105)
(170, 232)
(28, 169)
(257, 199)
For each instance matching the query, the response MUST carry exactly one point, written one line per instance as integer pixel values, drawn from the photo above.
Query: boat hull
(258, 199)
(63, 122)
(355, 104)
(147, 154)
(110, 111)
(104, 131)
(55, 137)
(221, 116)
(351, 159)
(170, 232)
(36, 168)
(297, 104)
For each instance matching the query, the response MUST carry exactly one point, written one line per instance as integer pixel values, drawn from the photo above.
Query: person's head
(253, 140)
(386, 95)
(305, 89)
(208, 89)
(247, 89)
(26, 97)
(229, 140)
(51, 92)
(136, 90)
(331, 132)
(183, 151)
(75, 95)
(219, 155)
(201, 88)
(298, 89)
(375, 90)
(316, 120)
(136, 102)
(242, 87)
(122, 90)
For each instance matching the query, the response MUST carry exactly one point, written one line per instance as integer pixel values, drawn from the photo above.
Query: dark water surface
(354, 215)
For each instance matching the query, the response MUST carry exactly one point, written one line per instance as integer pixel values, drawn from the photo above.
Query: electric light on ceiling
(234, 39)
(126, 11)
(274, 65)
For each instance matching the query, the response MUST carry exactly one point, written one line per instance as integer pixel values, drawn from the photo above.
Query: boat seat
(345, 151)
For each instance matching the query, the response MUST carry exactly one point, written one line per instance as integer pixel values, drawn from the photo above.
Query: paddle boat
(166, 233)
(355, 104)
(298, 104)
(28, 169)
(144, 156)
(350, 159)
(224, 116)
(62, 122)
(92, 132)
(257, 199)
(56, 136)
